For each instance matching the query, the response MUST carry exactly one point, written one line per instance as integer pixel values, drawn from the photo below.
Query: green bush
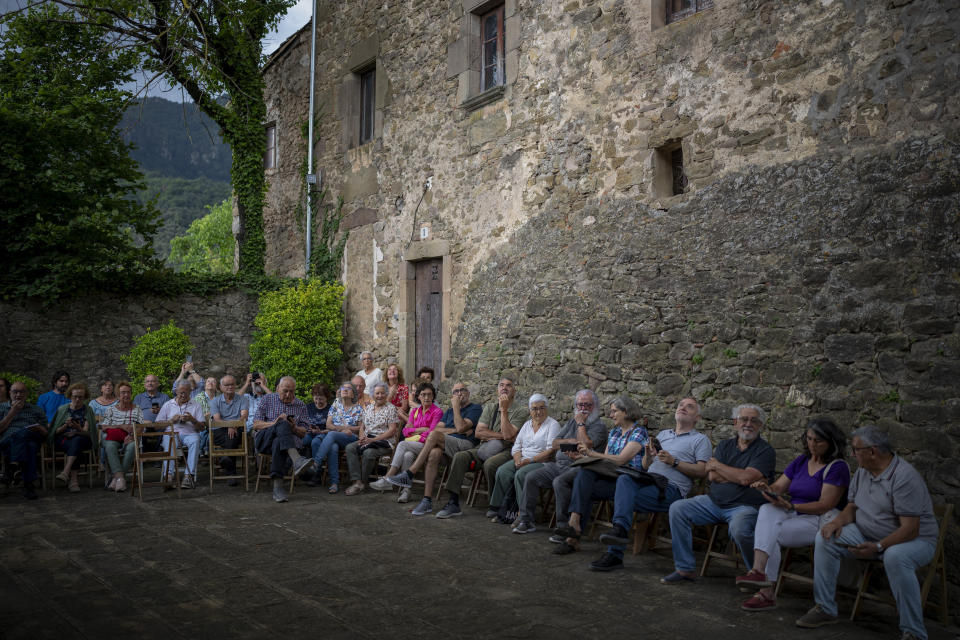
(33, 386)
(159, 352)
(299, 333)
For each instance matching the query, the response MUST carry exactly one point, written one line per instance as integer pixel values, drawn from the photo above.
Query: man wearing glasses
(736, 463)
(23, 427)
(585, 426)
(889, 517)
(453, 434)
(229, 406)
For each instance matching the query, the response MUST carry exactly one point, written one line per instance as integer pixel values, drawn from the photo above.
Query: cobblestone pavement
(237, 565)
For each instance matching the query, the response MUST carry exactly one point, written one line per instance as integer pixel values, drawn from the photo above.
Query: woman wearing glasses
(813, 486)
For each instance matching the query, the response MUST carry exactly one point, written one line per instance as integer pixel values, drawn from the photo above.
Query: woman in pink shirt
(420, 423)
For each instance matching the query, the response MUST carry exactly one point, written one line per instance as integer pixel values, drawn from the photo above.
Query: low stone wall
(87, 336)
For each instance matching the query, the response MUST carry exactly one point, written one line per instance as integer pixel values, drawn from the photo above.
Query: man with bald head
(280, 422)
(23, 426)
(229, 405)
(363, 398)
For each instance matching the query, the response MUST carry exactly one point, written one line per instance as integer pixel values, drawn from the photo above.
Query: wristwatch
(879, 549)
(675, 463)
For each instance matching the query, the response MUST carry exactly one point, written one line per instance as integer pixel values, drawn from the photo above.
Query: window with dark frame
(270, 154)
(492, 49)
(368, 103)
(680, 9)
(676, 165)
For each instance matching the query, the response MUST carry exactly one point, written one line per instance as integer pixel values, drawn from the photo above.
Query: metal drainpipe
(311, 179)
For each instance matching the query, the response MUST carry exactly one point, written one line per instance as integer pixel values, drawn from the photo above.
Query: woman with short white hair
(530, 450)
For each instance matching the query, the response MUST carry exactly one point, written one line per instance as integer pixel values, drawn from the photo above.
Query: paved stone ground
(237, 565)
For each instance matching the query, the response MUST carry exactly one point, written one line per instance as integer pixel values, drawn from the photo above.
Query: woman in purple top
(812, 485)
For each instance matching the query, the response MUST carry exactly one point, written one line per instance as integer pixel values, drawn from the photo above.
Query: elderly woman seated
(811, 489)
(343, 426)
(422, 420)
(117, 426)
(74, 431)
(377, 434)
(531, 449)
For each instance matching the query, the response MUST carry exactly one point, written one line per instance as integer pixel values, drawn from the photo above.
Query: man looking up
(736, 463)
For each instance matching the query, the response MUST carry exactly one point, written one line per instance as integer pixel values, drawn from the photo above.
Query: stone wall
(810, 265)
(87, 336)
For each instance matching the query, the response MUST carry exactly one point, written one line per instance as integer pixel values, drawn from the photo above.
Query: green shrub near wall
(33, 386)
(300, 333)
(160, 352)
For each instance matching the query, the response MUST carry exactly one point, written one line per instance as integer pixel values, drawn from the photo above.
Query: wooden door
(429, 316)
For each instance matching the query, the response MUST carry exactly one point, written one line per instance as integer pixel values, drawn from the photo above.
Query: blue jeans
(631, 497)
(327, 447)
(22, 445)
(588, 486)
(701, 510)
(900, 561)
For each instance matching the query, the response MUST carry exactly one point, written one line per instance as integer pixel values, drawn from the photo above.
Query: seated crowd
(881, 511)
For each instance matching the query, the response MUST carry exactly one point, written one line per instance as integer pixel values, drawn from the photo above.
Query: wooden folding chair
(788, 557)
(724, 555)
(937, 566)
(217, 452)
(87, 465)
(170, 454)
(479, 478)
(264, 464)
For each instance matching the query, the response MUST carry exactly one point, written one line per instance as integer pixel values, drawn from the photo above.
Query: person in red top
(399, 392)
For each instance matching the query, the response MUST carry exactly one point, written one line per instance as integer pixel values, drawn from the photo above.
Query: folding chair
(788, 557)
(217, 452)
(479, 478)
(88, 464)
(725, 555)
(264, 463)
(937, 566)
(170, 454)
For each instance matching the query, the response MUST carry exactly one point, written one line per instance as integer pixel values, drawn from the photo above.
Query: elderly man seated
(281, 421)
(736, 463)
(679, 455)
(23, 427)
(454, 433)
(230, 405)
(889, 517)
(585, 426)
(188, 420)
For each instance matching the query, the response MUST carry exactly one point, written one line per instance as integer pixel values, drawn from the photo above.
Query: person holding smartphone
(811, 486)
(73, 431)
(23, 426)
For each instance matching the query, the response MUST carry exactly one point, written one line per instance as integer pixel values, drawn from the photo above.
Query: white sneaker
(381, 485)
(404, 495)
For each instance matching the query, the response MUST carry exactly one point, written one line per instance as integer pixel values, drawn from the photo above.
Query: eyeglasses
(855, 449)
(584, 405)
(538, 408)
(460, 391)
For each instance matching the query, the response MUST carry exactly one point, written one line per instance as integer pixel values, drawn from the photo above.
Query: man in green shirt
(498, 426)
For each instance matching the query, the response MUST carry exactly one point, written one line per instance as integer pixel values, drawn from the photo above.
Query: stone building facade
(756, 202)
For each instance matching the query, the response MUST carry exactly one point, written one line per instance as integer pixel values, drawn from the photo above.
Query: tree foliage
(299, 333)
(211, 48)
(32, 385)
(66, 177)
(207, 246)
(160, 352)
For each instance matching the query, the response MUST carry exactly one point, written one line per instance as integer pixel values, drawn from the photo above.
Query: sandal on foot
(333, 489)
(64, 477)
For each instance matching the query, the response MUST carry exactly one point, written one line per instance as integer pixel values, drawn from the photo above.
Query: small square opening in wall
(669, 177)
